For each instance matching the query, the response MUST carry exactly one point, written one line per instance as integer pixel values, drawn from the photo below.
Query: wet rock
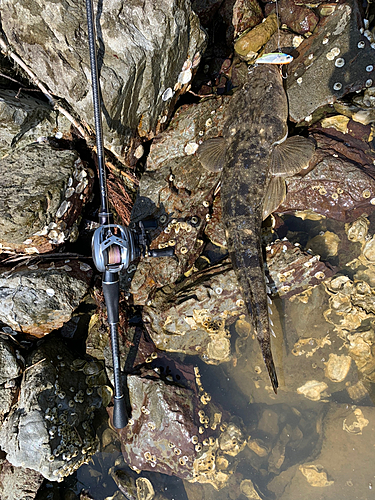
(326, 245)
(56, 49)
(342, 466)
(335, 60)
(43, 192)
(18, 482)
(40, 298)
(341, 185)
(49, 429)
(25, 119)
(178, 193)
(250, 43)
(194, 316)
(293, 271)
(9, 366)
(295, 16)
(175, 428)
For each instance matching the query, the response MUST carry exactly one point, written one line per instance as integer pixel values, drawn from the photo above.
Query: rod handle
(111, 292)
(120, 418)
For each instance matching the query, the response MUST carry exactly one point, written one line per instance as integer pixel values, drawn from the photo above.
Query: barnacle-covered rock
(336, 187)
(333, 61)
(42, 196)
(39, 298)
(174, 431)
(50, 429)
(357, 230)
(293, 271)
(178, 193)
(193, 317)
(148, 44)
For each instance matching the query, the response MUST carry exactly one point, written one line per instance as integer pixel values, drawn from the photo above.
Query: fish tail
(268, 360)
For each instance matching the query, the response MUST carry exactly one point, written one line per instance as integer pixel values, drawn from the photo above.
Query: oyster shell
(337, 367)
(312, 389)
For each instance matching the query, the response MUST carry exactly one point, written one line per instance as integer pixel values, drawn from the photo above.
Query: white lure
(275, 58)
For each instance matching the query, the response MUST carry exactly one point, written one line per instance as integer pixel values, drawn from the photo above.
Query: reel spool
(113, 248)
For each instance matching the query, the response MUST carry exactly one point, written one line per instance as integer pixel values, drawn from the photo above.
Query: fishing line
(278, 27)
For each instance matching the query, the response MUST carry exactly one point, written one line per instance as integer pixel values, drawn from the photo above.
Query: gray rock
(335, 60)
(25, 119)
(9, 367)
(35, 213)
(17, 483)
(142, 49)
(49, 429)
(37, 301)
(9, 371)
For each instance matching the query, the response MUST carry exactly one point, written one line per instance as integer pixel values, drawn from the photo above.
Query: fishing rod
(114, 247)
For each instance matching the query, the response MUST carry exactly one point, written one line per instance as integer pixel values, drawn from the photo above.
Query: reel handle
(161, 252)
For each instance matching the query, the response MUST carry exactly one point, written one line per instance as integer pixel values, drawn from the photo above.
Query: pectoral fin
(211, 154)
(291, 156)
(275, 194)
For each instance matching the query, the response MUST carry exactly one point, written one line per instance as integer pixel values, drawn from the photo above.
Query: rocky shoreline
(204, 421)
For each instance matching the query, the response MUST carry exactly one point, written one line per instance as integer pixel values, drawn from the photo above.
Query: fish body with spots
(255, 156)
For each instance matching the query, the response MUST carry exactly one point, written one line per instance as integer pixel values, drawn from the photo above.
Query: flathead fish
(255, 156)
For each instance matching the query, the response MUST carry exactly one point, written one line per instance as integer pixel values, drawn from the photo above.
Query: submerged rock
(40, 298)
(341, 466)
(335, 60)
(49, 429)
(142, 52)
(42, 196)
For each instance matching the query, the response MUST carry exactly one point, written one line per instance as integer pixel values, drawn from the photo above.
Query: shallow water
(315, 438)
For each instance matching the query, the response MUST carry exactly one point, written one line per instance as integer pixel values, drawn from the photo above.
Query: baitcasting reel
(115, 247)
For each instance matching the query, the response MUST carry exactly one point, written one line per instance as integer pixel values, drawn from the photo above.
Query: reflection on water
(315, 438)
